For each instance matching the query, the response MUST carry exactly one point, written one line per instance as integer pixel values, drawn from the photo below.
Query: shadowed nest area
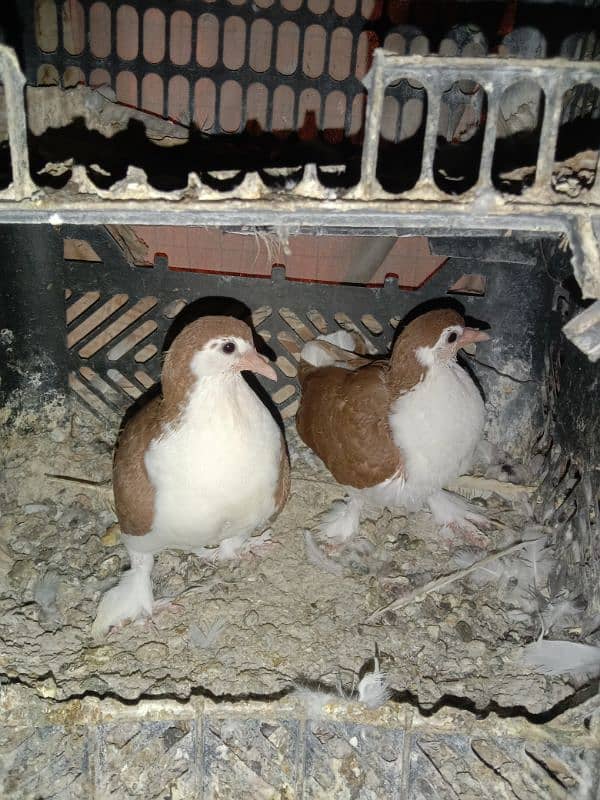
(294, 614)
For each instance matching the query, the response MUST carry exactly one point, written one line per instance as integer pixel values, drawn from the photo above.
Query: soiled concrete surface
(251, 627)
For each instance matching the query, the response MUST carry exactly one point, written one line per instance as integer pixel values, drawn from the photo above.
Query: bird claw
(454, 514)
(468, 532)
(159, 606)
(206, 553)
(263, 541)
(332, 548)
(236, 547)
(165, 604)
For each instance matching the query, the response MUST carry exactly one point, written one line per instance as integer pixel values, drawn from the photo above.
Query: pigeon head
(435, 338)
(211, 347)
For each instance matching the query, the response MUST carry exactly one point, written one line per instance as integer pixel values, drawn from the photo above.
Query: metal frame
(366, 208)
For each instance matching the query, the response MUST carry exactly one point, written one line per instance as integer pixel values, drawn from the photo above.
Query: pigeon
(203, 466)
(394, 432)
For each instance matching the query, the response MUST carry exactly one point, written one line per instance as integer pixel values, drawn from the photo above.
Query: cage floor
(253, 627)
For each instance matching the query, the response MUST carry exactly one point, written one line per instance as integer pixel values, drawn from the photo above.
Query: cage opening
(402, 137)
(461, 129)
(5, 162)
(576, 157)
(519, 126)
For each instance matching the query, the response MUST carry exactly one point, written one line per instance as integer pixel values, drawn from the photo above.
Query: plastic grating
(118, 316)
(219, 66)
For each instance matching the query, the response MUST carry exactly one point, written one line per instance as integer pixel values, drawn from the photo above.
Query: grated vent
(117, 387)
(115, 337)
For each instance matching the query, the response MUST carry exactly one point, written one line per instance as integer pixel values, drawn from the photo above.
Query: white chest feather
(216, 472)
(436, 426)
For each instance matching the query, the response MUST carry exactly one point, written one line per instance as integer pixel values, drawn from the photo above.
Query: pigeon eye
(452, 337)
(228, 348)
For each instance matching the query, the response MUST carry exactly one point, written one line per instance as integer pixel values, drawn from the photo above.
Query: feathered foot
(227, 550)
(261, 543)
(342, 521)
(130, 599)
(455, 515)
(236, 547)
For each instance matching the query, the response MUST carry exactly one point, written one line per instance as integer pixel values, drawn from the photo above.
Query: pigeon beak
(254, 362)
(471, 336)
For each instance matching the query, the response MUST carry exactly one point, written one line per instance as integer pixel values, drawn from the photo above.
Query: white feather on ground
(553, 657)
(559, 613)
(373, 689)
(46, 591)
(315, 700)
(522, 575)
(535, 563)
(206, 637)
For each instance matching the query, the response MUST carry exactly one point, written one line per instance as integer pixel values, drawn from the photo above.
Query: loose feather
(559, 613)
(522, 579)
(373, 689)
(435, 585)
(553, 657)
(315, 700)
(45, 594)
(206, 637)
(535, 563)
(521, 574)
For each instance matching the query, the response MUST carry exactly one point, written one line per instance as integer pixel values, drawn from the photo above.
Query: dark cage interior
(165, 160)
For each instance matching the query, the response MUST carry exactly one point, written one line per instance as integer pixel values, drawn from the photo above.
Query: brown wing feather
(343, 417)
(282, 491)
(134, 494)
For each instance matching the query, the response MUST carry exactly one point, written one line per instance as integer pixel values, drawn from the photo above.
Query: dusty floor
(256, 626)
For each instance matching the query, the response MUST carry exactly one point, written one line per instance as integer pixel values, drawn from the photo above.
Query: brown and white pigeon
(395, 432)
(203, 466)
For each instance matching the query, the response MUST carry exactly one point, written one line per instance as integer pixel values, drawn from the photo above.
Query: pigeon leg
(236, 547)
(227, 550)
(131, 598)
(342, 521)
